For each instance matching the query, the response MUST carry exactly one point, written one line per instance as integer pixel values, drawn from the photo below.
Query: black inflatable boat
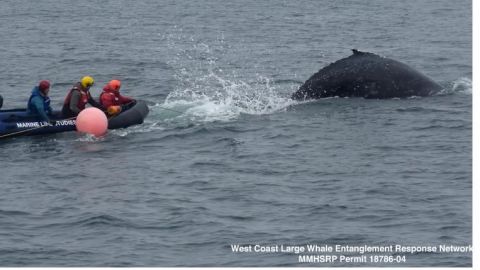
(17, 122)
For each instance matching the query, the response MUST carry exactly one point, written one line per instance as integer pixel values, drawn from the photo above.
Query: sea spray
(206, 92)
(462, 85)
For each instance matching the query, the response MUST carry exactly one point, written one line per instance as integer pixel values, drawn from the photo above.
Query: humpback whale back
(364, 74)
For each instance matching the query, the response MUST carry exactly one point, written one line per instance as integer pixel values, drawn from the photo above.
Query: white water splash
(214, 98)
(462, 85)
(147, 126)
(85, 137)
(210, 88)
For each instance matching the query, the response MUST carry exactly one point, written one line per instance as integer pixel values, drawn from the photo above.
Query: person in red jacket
(111, 99)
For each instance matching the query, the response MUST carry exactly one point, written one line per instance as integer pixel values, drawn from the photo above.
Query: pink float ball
(92, 121)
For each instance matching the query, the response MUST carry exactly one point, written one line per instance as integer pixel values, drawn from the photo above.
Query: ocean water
(225, 157)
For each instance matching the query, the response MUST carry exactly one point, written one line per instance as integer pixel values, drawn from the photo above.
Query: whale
(367, 75)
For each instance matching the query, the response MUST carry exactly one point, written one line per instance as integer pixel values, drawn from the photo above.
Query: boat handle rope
(170, 109)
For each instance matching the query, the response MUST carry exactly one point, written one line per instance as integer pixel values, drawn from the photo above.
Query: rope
(170, 109)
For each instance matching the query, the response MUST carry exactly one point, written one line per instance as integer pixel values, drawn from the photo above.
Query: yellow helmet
(87, 81)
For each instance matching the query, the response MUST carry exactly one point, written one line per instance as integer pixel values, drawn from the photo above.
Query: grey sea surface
(225, 157)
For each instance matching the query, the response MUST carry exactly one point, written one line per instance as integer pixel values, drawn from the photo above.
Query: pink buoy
(92, 121)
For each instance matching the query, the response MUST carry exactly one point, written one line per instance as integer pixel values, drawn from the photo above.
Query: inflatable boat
(17, 122)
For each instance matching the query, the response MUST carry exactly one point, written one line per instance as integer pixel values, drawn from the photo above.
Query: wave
(215, 98)
(85, 137)
(91, 221)
(10, 213)
(462, 85)
(109, 221)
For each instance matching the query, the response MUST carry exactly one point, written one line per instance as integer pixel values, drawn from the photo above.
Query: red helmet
(44, 85)
(114, 85)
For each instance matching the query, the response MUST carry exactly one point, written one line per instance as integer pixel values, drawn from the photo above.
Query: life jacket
(36, 93)
(84, 97)
(110, 97)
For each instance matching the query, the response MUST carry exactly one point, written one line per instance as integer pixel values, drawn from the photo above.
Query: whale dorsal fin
(357, 52)
(360, 53)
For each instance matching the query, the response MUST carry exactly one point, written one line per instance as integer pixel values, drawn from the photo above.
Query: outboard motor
(1, 101)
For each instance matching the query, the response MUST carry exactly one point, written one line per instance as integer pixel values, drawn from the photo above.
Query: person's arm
(94, 103)
(125, 100)
(38, 104)
(49, 110)
(74, 101)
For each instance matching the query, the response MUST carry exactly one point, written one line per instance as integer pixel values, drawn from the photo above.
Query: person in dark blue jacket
(39, 102)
